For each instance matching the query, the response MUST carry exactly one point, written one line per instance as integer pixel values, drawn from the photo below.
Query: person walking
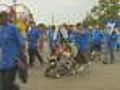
(33, 37)
(11, 45)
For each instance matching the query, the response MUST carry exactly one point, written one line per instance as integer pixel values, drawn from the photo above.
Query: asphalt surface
(101, 77)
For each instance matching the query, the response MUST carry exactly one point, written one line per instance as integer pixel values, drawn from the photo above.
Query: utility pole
(52, 18)
(14, 4)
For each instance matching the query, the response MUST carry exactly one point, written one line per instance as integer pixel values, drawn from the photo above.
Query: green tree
(105, 10)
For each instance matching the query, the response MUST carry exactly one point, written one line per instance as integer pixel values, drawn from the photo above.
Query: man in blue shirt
(53, 37)
(111, 40)
(83, 44)
(97, 42)
(33, 37)
(97, 37)
(11, 44)
(73, 37)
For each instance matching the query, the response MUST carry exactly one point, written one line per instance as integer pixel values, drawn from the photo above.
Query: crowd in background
(85, 38)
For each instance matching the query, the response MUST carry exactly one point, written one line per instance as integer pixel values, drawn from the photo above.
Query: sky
(69, 11)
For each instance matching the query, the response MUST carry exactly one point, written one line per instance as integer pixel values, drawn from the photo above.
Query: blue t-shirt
(74, 38)
(50, 35)
(81, 40)
(10, 42)
(33, 37)
(112, 40)
(84, 41)
(97, 37)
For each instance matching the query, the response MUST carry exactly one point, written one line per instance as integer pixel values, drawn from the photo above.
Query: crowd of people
(63, 50)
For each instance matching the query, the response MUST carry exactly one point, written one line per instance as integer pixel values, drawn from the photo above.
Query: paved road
(101, 77)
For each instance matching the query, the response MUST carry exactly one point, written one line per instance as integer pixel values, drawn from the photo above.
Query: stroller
(60, 63)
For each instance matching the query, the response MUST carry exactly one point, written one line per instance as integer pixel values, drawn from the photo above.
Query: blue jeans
(7, 79)
(110, 55)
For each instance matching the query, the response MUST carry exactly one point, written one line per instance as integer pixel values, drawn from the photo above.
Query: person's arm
(20, 41)
(22, 47)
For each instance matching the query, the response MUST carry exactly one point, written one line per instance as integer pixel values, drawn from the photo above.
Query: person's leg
(98, 53)
(87, 63)
(95, 52)
(79, 57)
(106, 58)
(1, 80)
(118, 47)
(81, 62)
(31, 56)
(86, 57)
(8, 79)
(38, 56)
(100, 56)
(112, 57)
